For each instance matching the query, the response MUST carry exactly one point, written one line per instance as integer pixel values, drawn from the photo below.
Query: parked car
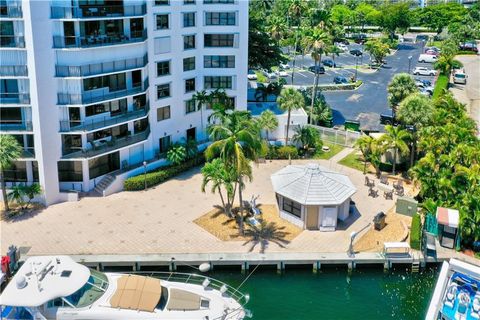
(433, 48)
(468, 46)
(340, 80)
(269, 74)
(425, 92)
(251, 75)
(422, 71)
(282, 73)
(432, 52)
(422, 37)
(317, 69)
(329, 63)
(423, 87)
(356, 52)
(388, 119)
(284, 66)
(460, 77)
(427, 58)
(342, 47)
(425, 82)
(360, 38)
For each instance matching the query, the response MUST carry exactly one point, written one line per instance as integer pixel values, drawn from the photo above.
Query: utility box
(406, 206)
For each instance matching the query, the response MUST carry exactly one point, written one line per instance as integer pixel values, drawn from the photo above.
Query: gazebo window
(292, 207)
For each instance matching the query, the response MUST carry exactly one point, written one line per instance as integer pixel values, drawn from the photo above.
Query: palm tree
(201, 97)
(288, 100)
(317, 41)
(308, 137)
(10, 150)
(334, 51)
(16, 195)
(217, 174)
(401, 86)
(396, 138)
(322, 114)
(237, 142)
(268, 121)
(31, 192)
(364, 144)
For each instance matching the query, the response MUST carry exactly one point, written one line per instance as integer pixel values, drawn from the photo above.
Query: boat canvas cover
(137, 293)
(183, 300)
(448, 217)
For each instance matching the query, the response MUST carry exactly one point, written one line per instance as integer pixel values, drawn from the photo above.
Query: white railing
(344, 138)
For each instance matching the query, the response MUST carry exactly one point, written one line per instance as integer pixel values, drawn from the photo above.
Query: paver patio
(160, 220)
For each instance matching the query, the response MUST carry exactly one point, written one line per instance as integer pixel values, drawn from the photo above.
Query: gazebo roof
(312, 184)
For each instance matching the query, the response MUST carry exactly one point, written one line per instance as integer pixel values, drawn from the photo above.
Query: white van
(460, 77)
(430, 58)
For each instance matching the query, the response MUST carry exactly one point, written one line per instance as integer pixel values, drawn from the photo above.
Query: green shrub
(440, 86)
(285, 151)
(159, 175)
(416, 232)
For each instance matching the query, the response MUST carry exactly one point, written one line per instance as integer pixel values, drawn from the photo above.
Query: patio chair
(388, 195)
(398, 185)
(369, 183)
(430, 245)
(384, 179)
(400, 192)
(372, 192)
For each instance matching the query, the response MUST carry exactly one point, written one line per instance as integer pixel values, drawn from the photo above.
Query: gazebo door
(329, 218)
(312, 217)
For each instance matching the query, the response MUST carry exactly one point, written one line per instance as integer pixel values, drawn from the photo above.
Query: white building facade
(93, 87)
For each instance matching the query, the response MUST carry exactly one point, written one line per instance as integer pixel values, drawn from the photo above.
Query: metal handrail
(11, 41)
(69, 12)
(14, 98)
(15, 125)
(11, 11)
(13, 71)
(99, 40)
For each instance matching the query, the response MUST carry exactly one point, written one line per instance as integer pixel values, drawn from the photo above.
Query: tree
(401, 86)
(20, 192)
(288, 100)
(364, 144)
(219, 176)
(307, 137)
(31, 192)
(322, 113)
(365, 13)
(10, 150)
(236, 140)
(177, 154)
(394, 17)
(201, 97)
(377, 49)
(396, 138)
(268, 121)
(341, 15)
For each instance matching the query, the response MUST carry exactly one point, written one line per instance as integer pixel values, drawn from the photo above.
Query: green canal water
(335, 294)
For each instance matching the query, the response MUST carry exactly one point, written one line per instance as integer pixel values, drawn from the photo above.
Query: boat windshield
(93, 289)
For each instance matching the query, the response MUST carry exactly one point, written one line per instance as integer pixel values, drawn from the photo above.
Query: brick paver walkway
(160, 220)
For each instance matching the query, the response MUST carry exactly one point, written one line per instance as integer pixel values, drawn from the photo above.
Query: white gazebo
(312, 197)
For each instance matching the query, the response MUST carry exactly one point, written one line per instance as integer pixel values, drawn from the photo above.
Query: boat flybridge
(56, 287)
(457, 293)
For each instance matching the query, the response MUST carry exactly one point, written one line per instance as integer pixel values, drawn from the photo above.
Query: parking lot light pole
(356, 68)
(145, 174)
(409, 63)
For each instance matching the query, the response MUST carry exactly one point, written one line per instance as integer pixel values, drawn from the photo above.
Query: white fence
(344, 138)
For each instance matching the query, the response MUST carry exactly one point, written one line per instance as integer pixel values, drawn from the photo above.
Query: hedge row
(335, 87)
(440, 86)
(416, 232)
(284, 152)
(159, 175)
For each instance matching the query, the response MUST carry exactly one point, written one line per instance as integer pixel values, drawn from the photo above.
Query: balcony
(28, 153)
(13, 71)
(86, 12)
(98, 95)
(92, 41)
(11, 10)
(10, 41)
(14, 98)
(97, 123)
(108, 146)
(15, 125)
(101, 68)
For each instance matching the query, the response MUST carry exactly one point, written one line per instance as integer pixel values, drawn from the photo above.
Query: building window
(189, 19)
(164, 144)
(115, 107)
(189, 85)
(163, 91)
(292, 207)
(162, 2)
(163, 68)
(189, 64)
(218, 1)
(220, 18)
(162, 21)
(188, 1)
(218, 82)
(218, 40)
(114, 82)
(190, 106)
(163, 113)
(189, 42)
(228, 102)
(219, 61)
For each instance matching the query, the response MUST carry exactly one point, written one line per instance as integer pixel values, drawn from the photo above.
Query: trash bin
(379, 220)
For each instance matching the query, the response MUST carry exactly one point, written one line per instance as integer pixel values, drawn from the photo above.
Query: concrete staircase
(104, 184)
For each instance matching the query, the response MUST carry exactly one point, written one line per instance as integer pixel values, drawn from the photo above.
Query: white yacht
(457, 293)
(56, 287)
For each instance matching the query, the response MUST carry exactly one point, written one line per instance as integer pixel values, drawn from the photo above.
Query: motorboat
(56, 287)
(457, 293)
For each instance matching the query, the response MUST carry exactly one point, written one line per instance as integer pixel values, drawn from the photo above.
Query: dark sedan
(340, 80)
(356, 52)
(329, 63)
(317, 69)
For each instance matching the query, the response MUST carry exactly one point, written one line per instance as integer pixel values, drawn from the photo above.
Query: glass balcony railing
(86, 12)
(13, 71)
(15, 125)
(98, 40)
(101, 68)
(14, 98)
(10, 41)
(11, 10)
(97, 123)
(107, 146)
(28, 153)
(98, 95)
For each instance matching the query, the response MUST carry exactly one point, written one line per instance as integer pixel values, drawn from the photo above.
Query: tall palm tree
(288, 100)
(396, 138)
(268, 121)
(364, 144)
(201, 97)
(401, 86)
(237, 142)
(317, 42)
(216, 174)
(10, 150)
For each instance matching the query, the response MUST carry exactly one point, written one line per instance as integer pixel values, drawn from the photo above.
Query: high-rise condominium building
(91, 87)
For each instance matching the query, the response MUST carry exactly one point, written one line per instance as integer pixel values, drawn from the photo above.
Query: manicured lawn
(334, 149)
(355, 161)
(440, 85)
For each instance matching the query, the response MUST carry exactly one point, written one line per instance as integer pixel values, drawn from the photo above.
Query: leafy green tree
(365, 145)
(322, 113)
(394, 17)
(176, 154)
(31, 192)
(401, 86)
(396, 138)
(307, 137)
(290, 99)
(219, 176)
(342, 15)
(377, 49)
(268, 121)
(10, 150)
(439, 16)
(365, 13)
